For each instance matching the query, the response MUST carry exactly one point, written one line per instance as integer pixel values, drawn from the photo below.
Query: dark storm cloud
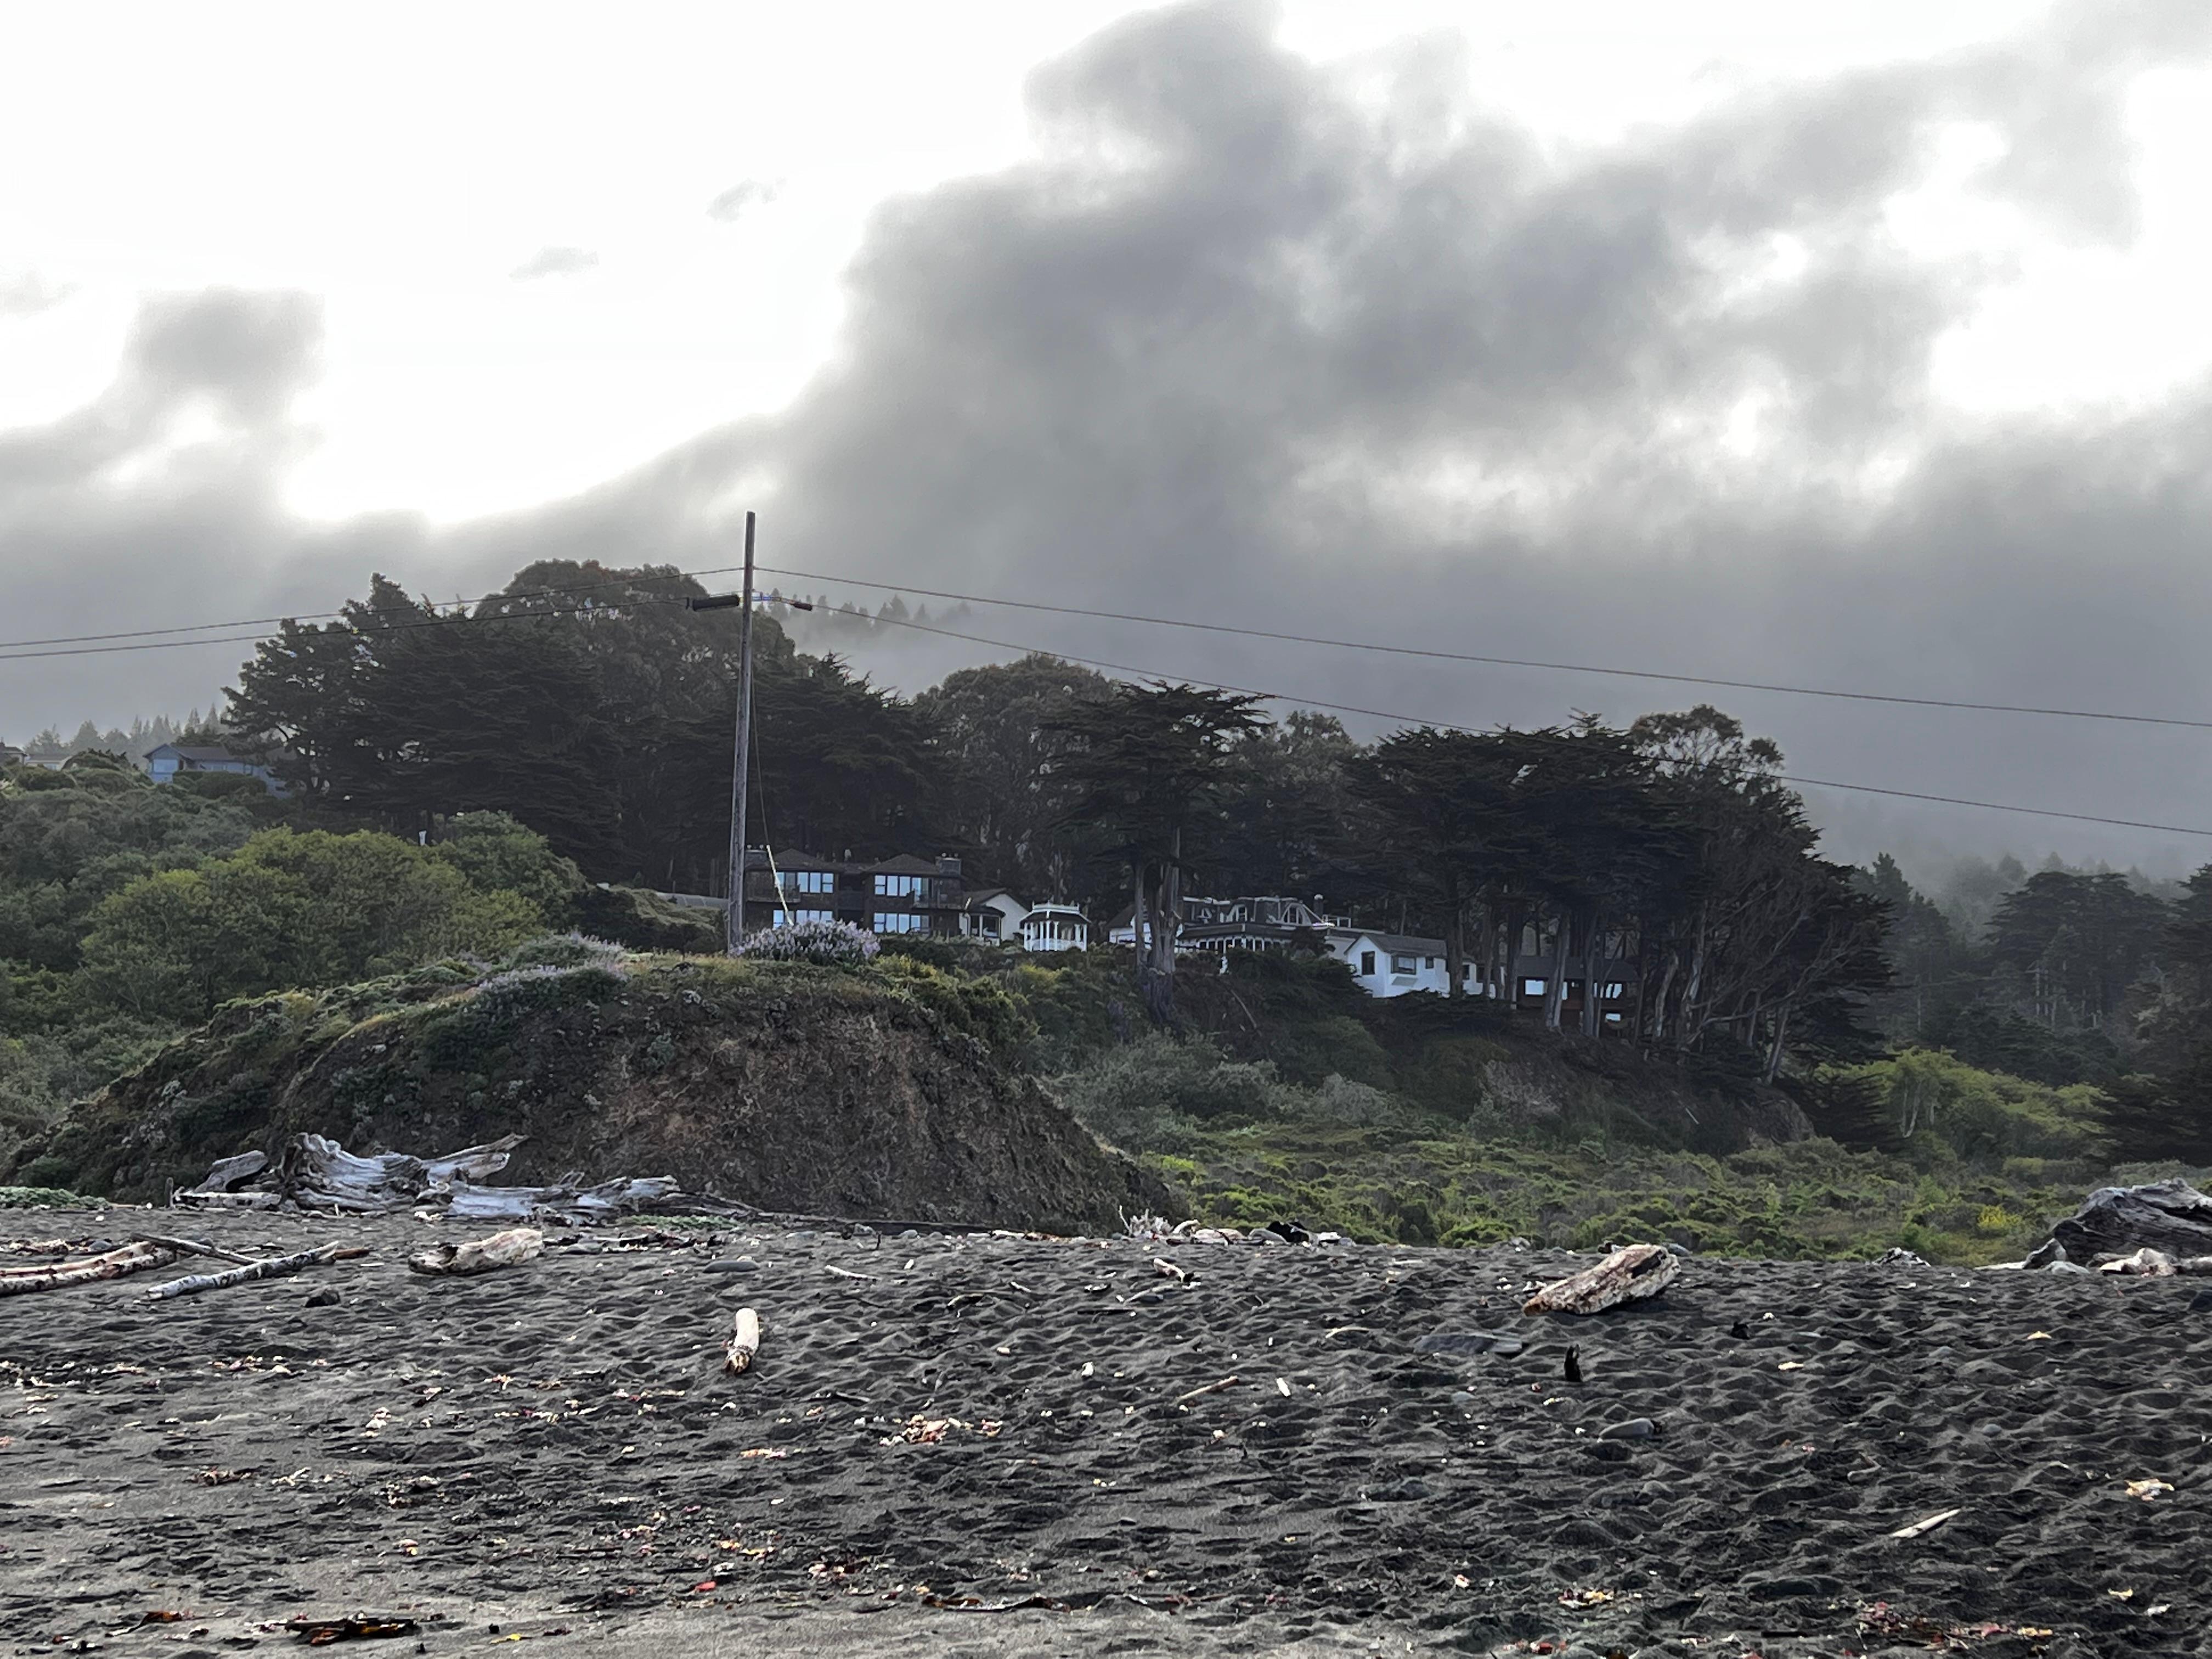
(555, 262)
(1248, 344)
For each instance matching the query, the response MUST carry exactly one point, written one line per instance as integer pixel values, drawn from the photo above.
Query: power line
(1448, 726)
(144, 643)
(1510, 662)
(325, 616)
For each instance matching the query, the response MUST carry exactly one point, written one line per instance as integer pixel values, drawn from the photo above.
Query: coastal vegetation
(1804, 1057)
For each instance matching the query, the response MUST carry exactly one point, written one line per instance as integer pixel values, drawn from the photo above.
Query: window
(1428, 962)
(1401, 964)
(902, 886)
(1367, 962)
(784, 918)
(1532, 987)
(900, 921)
(1615, 991)
(807, 881)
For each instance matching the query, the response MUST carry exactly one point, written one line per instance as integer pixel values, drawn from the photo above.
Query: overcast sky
(1855, 346)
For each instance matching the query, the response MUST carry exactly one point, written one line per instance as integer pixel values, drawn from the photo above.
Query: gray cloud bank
(1249, 343)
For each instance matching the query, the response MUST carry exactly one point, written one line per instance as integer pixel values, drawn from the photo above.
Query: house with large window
(900, 895)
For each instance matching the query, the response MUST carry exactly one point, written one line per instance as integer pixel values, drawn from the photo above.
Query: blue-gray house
(164, 761)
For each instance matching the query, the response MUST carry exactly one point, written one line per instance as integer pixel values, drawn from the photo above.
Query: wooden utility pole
(735, 934)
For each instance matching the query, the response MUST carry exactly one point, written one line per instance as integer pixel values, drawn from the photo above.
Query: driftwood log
(275, 1266)
(745, 1342)
(316, 1173)
(569, 1200)
(481, 1255)
(130, 1258)
(229, 1172)
(2171, 1217)
(1629, 1274)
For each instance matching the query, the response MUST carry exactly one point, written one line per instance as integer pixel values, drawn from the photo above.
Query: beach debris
(1167, 1269)
(1573, 1368)
(2170, 1216)
(321, 1633)
(1897, 1257)
(745, 1342)
(2148, 1490)
(130, 1258)
(275, 1266)
(1470, 1342)
(1635, 1428)
(481, 1255)
(1630, 1274)
(227, 1172)
(738, 1264)
(313, 1172)
(2145, 1263)
(1740, 1331)
(195, 1247)
(1927, 1523)
(1202, 1390)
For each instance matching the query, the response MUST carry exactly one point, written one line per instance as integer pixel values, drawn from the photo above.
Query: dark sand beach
(989, 1445)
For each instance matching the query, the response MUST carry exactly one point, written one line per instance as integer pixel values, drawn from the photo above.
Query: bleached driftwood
(196, 1198)
(744, 1343)
(195, 1247)
(569, 1200)
(481, 1255)
(228, 1172)
(317, 1173)
(1629, 1274)
(275, 1266)
(113, 1264)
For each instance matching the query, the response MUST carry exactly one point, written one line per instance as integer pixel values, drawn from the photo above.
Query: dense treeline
(1667, 855)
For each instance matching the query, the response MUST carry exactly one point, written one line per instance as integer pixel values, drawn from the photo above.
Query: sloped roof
(904, 864)
(204, 755)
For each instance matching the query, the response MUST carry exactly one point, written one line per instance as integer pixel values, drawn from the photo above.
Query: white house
(1382, 964)
(996, 915)
(1055, 927)
(1391, 964)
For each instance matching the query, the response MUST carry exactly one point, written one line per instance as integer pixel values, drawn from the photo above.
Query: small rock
(325, 1298)
(2045, 1255)
(909, 1233)
(1147, 1298)
(1326, 1239)
(2067, 1268)
(1265, 1235)
(1460, 1397)
(1636, 1428)
(2201, 1303)
(736, 1264)
(863, 1233)
(1680, 1249)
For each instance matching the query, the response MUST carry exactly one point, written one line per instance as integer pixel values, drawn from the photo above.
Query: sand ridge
(993, 1444)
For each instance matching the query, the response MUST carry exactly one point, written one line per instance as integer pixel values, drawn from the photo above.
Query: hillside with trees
(459, 783)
